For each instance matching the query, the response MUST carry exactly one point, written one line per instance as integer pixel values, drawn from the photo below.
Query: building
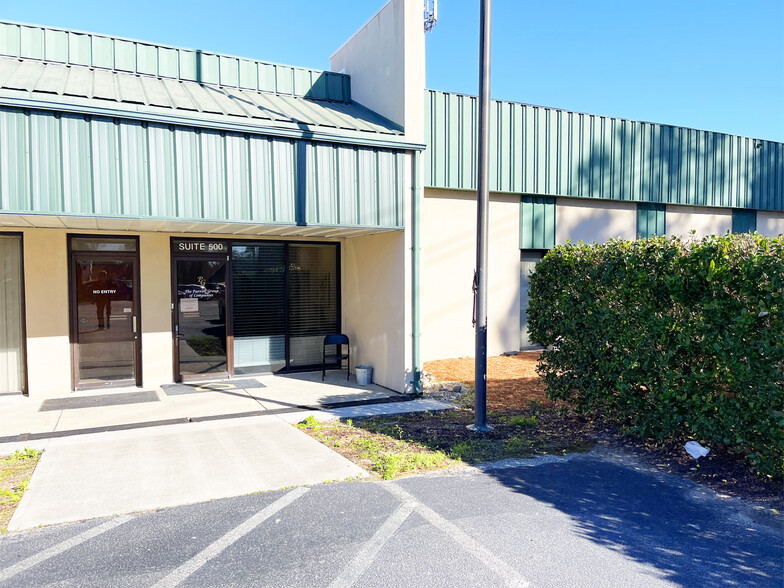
(168, 213)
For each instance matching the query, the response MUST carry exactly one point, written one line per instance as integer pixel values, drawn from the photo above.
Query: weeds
(15, 472)
(524, 421)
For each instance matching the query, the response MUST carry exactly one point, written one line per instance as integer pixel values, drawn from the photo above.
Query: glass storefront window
(284, 299)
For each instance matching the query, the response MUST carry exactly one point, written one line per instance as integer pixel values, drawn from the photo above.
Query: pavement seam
(33, 560)
(370, 550)
(220, 545)
(508, 574)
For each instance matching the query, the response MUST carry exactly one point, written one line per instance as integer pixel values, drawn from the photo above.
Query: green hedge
(671, 339)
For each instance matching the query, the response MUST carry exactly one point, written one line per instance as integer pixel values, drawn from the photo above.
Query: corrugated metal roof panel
(103, 85)
(79, 83)
(546, 151)
(180, 99)
(43, 82)
(131, 90)
(26, 76)
(156, 94)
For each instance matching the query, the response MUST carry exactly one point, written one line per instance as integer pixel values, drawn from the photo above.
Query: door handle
(133, 319)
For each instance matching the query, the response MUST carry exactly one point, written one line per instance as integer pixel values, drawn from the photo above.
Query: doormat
(227, 386)
(99, 400)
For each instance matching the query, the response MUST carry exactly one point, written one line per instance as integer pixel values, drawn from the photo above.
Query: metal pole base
(479, 429)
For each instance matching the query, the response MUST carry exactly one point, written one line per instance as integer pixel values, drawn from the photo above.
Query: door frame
(73, 303)
(176, 256)
(175, 311)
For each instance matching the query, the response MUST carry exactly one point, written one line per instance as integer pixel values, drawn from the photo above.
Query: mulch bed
(512, 385)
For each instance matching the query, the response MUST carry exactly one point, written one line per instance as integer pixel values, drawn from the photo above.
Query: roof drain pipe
(416, 193)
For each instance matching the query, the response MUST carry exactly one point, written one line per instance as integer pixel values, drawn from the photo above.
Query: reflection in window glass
(89, 244)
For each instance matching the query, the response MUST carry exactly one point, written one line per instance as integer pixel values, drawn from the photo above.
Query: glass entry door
(200, 318)
(105, 317)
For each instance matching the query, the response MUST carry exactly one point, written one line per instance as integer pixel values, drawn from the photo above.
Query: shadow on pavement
(657, 521)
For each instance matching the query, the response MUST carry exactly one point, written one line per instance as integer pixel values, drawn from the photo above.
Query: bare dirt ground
(513, 389)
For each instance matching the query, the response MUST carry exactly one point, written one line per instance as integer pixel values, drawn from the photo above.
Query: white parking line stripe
(352, 572)
(508, 573)
(26, 564)
(217, 547)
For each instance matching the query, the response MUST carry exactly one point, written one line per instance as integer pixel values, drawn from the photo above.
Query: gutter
(416, 193)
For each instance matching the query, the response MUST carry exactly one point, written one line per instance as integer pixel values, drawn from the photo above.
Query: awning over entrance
(81, 223)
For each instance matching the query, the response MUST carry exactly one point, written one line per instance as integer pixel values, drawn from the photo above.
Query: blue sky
(715, 65)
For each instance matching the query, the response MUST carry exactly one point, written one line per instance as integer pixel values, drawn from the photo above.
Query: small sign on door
(189, 305)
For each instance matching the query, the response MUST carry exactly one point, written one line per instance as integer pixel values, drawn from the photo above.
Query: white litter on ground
(696, 450)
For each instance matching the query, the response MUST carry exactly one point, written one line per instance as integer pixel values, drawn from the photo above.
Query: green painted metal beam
(537, 222)
(651, 220)
(744, 221)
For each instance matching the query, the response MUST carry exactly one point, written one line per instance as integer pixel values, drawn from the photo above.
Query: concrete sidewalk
(24, 423)
(183, 448)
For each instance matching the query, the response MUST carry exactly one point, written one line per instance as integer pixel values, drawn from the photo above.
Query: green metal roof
(72, 88)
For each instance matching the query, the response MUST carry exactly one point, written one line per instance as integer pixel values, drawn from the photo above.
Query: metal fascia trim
(208, 124)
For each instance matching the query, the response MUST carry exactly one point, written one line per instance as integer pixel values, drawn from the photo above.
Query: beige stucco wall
(448, 261)
(374, 305)
(681, 220)
(589, 221)
(770, 223)
(155, 287)
(46, 312)
(388, 52)
(374, 58)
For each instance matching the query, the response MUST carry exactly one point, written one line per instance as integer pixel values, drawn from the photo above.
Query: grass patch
(15, 472)
(385, 455)
(396, 445)
(523, 421)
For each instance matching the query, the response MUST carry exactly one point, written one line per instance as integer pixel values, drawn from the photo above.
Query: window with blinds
(259, 307)
(284, 296)
(313, 307)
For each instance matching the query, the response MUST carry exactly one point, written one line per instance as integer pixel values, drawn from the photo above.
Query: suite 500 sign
(200, 247)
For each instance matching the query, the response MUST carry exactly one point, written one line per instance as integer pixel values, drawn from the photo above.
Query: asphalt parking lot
(585, 520)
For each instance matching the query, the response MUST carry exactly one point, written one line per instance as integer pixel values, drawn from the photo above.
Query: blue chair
(338, 341)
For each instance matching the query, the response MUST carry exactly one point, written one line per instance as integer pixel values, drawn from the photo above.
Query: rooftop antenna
(431, 14)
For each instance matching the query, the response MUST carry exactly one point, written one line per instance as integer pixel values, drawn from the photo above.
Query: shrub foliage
(671, 339)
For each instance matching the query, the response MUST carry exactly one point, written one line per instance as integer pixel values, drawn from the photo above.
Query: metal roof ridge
(163, 45)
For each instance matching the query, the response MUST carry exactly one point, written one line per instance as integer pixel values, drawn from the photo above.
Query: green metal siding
(651, 220)
(80, 165)
(353, 186)
(99, 51)
(744, 221)
(545, 151)
(537, 222)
